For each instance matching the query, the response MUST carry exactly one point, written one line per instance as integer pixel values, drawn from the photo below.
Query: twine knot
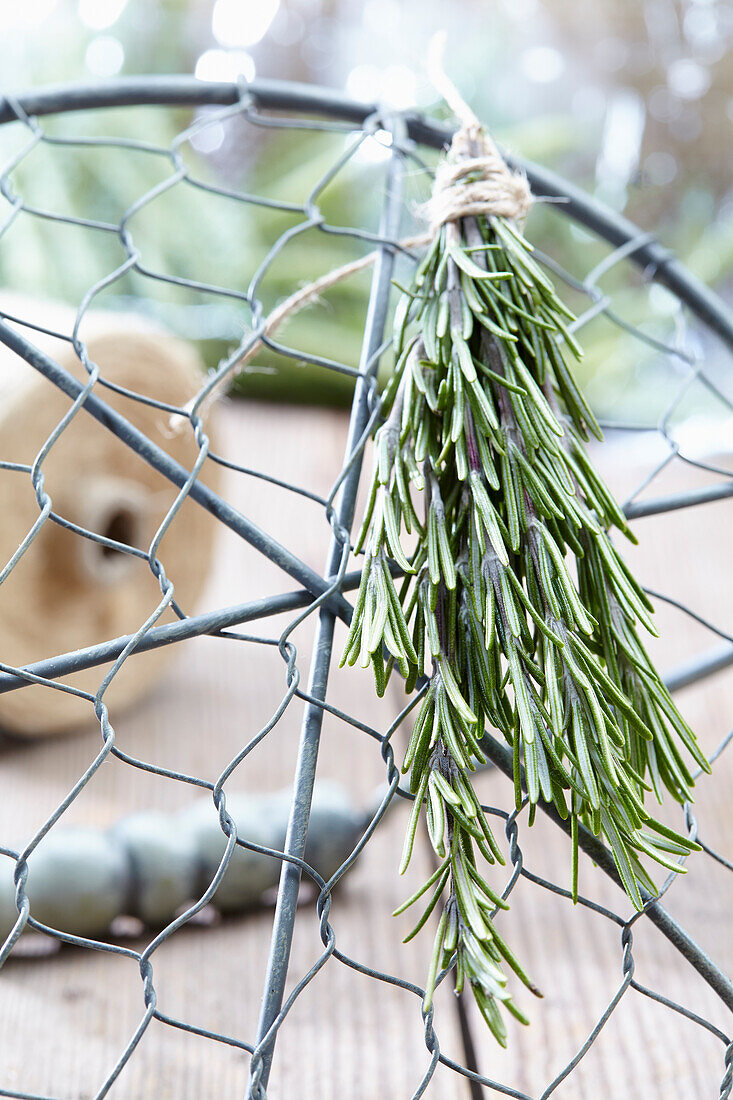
(475, 179)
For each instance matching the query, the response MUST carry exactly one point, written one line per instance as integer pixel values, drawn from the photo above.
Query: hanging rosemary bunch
(515, 612)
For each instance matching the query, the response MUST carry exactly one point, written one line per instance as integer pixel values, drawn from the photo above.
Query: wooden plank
(65, 1020)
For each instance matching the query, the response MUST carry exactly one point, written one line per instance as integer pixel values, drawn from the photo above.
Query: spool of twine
(67, 591)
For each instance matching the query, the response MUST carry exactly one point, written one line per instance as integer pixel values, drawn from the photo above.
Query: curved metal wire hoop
(278, 95)
(324, 595)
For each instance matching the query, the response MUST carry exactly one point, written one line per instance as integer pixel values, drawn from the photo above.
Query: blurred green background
(631, 99)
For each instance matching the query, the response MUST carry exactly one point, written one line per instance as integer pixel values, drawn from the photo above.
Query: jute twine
(468, 184)
(473, 179)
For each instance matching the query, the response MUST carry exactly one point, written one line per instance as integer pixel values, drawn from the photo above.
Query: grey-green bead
(335, 827)
(163, 865)
(249, 873)
(78, 880)
(8, 911)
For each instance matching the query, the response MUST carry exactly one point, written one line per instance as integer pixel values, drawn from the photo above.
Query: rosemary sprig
(515, 607)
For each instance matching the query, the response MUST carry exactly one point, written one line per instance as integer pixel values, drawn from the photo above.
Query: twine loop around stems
(475, 179)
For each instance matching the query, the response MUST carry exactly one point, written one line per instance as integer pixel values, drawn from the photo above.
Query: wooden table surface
(65, 1019)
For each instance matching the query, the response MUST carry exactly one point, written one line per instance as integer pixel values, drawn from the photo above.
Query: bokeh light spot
(242, 22)
(104, 56)
(100, 14)
(225, 65)
(687, 79)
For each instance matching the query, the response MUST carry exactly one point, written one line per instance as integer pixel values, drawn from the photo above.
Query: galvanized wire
(322, 597)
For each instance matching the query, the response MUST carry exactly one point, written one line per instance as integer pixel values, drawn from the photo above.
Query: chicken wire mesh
(323, 598)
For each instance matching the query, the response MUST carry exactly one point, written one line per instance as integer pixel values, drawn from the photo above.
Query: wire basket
(694, 322)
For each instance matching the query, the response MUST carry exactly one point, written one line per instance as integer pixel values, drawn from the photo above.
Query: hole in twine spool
(119, 510)
(122, 526)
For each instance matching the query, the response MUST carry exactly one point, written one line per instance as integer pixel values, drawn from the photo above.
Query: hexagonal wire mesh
(323, 597)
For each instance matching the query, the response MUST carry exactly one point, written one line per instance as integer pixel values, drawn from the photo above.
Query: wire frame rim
(656, 261)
